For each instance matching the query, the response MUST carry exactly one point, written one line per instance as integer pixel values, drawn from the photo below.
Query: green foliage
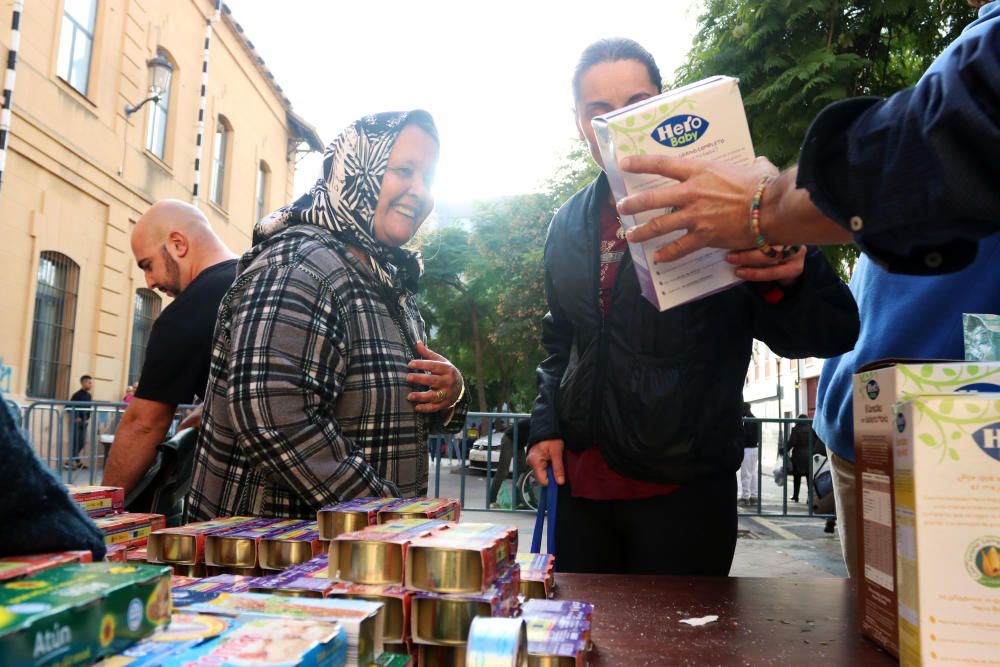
(793, 57)
(487, 275)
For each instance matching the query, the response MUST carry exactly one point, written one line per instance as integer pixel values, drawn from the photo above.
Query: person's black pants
(502, 470)
(691, 531)
(79, 436)
(796, 482)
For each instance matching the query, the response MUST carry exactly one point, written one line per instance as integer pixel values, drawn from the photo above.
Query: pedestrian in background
(751, 451)
(81, 418)
(800, 451)
(129, 394)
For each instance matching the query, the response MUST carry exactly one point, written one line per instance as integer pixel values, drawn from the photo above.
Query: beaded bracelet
(761, 244)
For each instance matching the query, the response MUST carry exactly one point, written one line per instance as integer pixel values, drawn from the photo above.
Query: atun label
(681, 130)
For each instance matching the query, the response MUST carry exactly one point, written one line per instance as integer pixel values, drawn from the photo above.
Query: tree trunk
(478, 348)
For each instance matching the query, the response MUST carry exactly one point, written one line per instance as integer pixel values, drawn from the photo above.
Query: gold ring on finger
(439, 394)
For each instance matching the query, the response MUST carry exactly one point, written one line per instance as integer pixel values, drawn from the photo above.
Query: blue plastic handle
(548, 507)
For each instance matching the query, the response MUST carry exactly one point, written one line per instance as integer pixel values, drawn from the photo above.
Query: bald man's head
(172, 243)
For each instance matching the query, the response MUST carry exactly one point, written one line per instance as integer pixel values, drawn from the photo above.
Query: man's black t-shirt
(180, 344)
(83, 396)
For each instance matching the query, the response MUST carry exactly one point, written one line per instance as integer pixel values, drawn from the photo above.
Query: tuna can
(445, 621)
(367, 562)
(446, 570)
(497, 642)
(429, 655)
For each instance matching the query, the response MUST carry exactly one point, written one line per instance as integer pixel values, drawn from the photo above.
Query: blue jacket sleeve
(913, 176)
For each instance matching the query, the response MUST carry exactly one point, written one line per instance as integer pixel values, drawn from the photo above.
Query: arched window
(76, 42)
(159, 111)
(220, 155)
(263, 183)
(147, 308)
(52, 330)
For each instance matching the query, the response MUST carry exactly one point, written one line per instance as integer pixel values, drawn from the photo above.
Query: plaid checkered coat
(306, 402)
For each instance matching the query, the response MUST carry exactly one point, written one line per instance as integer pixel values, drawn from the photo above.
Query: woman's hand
(443, 381)
(755, 266)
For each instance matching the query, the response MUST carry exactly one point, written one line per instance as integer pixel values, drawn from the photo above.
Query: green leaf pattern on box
(951, 421)
(630, 136)
(922, 381)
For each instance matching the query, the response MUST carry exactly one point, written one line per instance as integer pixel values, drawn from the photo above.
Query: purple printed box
(537, 579)
(238, 546)
(557, 608)
(292, 584)
(203, 590)
(351, 515)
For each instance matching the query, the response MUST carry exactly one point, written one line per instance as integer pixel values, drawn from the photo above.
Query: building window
(147, 308)
(156, 134)
(263, 181)
(219, 155)
(76, 42)
(52, 331)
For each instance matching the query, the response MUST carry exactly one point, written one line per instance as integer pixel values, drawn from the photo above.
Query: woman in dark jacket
(799, 452)
(638, 411)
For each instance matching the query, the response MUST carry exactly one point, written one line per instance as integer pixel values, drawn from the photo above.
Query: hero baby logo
(900, 422)
(679, 131)
(988, 439)
(872, 390)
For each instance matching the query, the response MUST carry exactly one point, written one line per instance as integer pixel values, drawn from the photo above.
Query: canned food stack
(351, 516)
(442, 509)
(183, 547)
(537, 578)
(458, 573)
(236, 550)
(129, 529)
(98, 500)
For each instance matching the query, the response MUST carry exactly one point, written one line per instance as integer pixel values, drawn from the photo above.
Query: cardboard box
(351, 515)
(186, 631)
(947, 484)
(702, 120)
(186, 593)
(443, 509)
(461, 558)
(377, 554)
(15, 567)
(238, 546)
(395, 601)
(877, 388)
(360, 619)
(185, 545)
(98, 500)
(76, 614)
(129, 529)
(270, 641)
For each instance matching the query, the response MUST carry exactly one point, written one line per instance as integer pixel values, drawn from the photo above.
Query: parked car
(481, 449)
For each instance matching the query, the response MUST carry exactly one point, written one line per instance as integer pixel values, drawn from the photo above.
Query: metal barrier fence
(73, 437)
(474, 454)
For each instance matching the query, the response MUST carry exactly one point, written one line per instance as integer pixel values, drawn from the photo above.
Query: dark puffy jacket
(661, 393)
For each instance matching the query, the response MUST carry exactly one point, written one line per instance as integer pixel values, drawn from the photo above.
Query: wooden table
(762, 621)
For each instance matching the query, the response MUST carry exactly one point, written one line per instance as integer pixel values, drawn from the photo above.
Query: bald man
(181, 256)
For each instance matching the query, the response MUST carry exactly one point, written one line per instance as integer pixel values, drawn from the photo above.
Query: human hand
(755, 266)
(193, 418)
(443, 380)
(542, 454)
(711, 202)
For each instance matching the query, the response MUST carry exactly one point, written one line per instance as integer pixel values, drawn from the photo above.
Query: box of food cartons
(186, 631)
(270, 641)
(77, 614)
(352, 515)
(15, 567)
(947, 487)
(377, 554)
(877, 387)
(702, 120)
(443, 509)
(185, 545)
(98, 500)
(129, 529)
(361, 619)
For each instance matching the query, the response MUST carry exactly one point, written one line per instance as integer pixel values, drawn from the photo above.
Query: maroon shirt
(588, 474)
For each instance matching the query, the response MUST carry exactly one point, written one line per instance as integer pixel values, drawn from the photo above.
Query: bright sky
(495, 75)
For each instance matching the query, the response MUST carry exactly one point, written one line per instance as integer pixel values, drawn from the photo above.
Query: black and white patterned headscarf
(344, 199)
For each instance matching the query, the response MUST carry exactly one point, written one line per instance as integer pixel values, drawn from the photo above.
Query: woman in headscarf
(321, 388)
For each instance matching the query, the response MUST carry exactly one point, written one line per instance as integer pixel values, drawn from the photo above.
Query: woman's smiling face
(405, 199)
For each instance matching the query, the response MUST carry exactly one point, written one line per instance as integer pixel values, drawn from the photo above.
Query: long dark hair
(611, 50)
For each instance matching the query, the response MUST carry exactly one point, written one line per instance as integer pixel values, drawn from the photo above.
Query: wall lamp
(159, 76)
